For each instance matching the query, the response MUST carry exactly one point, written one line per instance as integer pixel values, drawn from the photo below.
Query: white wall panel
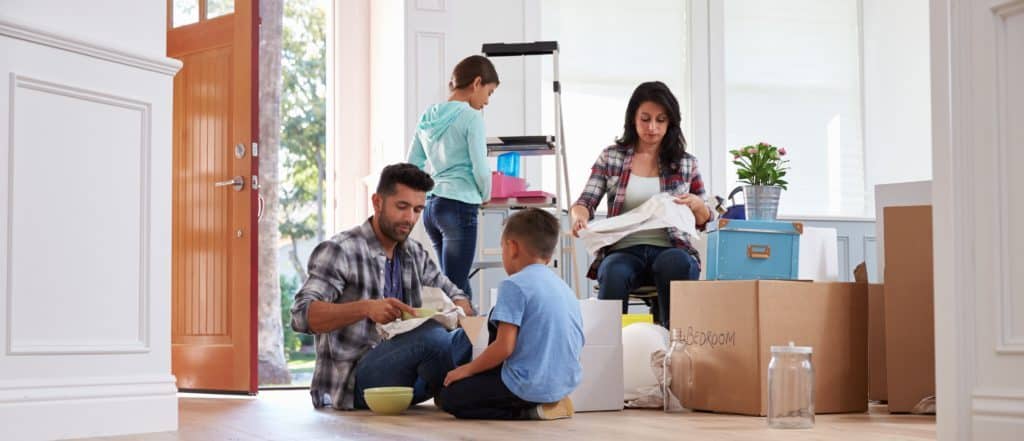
(1010, 72)
(78, 216)
(978, 63)
(85, 205)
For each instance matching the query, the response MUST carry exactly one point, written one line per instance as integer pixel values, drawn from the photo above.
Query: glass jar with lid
(791, 387)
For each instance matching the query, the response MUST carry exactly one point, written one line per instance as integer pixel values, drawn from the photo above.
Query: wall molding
(13, 29)
(84, 388)
(419, 38)
(1008, 342)
(141, 343)
(998, 403)
(432, 6)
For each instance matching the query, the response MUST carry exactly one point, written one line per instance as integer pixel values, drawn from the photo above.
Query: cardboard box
(877, 385)
(901, 194)
(731, 326)
(909, 306)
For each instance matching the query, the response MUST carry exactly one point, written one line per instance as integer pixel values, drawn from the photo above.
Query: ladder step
(524, 145)
(514, 49)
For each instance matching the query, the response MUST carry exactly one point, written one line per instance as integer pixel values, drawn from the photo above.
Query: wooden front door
(214, 214)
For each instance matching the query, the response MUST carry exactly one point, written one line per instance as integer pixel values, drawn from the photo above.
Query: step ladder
(543, 145)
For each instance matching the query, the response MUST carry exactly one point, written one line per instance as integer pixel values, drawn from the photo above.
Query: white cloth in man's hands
(433, 298)
(660, 211)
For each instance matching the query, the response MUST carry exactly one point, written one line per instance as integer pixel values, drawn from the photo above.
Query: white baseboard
(998, 415)
(88, 407)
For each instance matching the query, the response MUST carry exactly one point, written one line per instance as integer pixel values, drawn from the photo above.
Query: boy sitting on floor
(532, 365)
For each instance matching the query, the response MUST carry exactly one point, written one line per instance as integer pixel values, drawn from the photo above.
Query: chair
(644, 295)
(647, 295)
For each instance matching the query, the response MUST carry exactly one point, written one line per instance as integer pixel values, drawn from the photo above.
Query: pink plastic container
(506, 186)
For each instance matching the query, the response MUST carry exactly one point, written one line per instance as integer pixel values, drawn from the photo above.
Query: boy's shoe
(553, 411)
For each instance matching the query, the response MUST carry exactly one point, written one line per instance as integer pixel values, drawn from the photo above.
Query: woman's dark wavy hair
(673, 145)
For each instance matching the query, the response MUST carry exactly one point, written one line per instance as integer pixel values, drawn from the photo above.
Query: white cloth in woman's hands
(660, 211)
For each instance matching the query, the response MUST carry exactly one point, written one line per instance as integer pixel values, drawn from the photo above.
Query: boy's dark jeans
(484, 396)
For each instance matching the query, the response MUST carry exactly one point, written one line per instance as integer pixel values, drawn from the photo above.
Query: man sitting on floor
(371, 274)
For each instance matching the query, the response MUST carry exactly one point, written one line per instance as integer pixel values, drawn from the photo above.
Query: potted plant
(762, 168)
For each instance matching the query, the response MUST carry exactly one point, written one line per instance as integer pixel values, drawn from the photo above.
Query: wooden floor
(288, 415)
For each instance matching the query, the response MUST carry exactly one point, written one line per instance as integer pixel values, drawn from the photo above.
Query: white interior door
(978, 110)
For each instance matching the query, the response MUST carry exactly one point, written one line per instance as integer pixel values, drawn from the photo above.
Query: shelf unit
(534, 145)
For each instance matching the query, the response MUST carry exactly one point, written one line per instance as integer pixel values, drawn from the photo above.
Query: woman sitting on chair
(650, 158)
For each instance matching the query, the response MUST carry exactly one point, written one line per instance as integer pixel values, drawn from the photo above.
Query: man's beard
(390, 229)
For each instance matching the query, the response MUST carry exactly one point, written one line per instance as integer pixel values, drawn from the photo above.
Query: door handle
(237, 182)
(261, 205)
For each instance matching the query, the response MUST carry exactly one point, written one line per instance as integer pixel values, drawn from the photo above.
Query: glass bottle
(791, 387)
(677, 374)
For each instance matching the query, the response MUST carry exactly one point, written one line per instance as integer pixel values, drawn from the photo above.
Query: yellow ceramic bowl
(420, 313)
(388, 400)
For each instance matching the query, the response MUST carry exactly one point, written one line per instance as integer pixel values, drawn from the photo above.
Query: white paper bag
(601, 357)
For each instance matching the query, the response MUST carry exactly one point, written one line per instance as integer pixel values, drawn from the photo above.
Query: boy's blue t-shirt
(544, 366)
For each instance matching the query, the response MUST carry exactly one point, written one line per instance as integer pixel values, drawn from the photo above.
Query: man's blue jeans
(627, 269)
(452, 226)
(419, 358)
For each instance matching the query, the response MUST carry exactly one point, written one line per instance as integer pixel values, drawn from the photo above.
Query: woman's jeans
(452, 227)
(627, 269)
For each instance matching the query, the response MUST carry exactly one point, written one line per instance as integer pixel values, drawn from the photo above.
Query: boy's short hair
(536, 229)
(406, 174)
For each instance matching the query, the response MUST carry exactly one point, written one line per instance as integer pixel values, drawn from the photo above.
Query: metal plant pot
(762, 201)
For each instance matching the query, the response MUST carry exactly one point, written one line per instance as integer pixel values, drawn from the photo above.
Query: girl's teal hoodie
(451, 137)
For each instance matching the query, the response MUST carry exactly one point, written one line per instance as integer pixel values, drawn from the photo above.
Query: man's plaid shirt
(347, 268)
(610, 175)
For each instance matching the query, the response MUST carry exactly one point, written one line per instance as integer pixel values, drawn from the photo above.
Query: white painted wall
(85, 209)
(137, 26)
(440, 33)
(897, 92)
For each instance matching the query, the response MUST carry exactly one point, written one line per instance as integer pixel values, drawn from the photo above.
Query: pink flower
(751, 151)
(782, 151)
(736, 157)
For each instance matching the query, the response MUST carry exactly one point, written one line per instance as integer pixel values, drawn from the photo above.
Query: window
(601, 61)
(792, 79)
(184, 12)
(217, 8)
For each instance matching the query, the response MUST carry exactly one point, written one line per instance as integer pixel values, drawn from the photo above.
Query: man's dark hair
(536, 229)
(406, 174)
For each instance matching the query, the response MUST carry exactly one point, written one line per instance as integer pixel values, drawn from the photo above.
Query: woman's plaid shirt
(610, 175)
